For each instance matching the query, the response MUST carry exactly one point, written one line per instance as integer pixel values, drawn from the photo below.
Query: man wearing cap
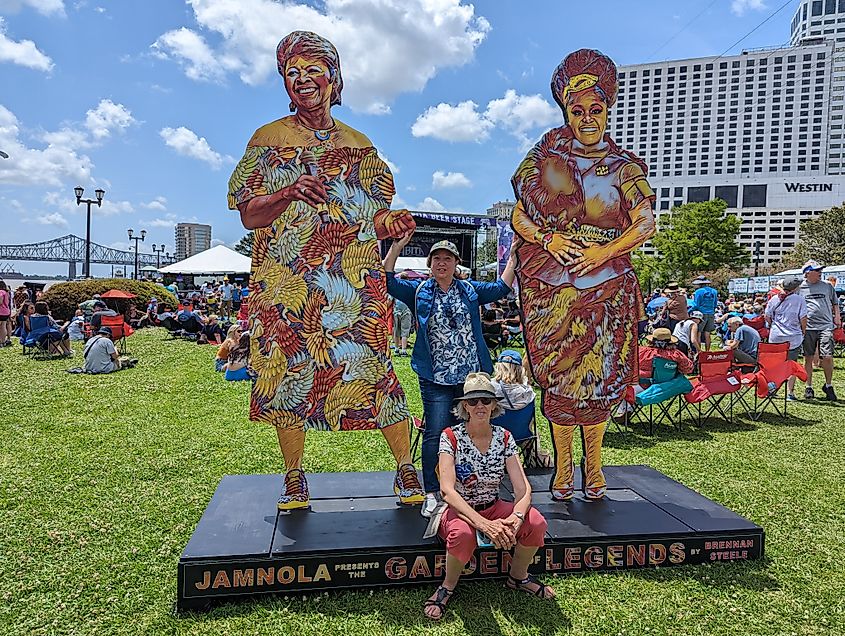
(705, 299)
(743, 340)
(786, 317)
(450, 343)
(100, 354)
(822, 318)
(100, 310)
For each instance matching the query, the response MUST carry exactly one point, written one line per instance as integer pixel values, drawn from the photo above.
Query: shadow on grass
(483, 607)
(636, 436)
(751, 575)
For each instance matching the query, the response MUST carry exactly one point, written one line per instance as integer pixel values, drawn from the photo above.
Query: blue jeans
(437, 402)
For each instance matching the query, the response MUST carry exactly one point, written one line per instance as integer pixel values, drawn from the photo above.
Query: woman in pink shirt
(5, 314)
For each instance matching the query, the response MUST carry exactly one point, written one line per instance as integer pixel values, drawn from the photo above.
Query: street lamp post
(136, 239)
(158, 252)
(79, 191)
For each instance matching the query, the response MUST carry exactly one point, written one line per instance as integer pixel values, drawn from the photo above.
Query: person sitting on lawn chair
(662, 344)
(743, 341)
(100, 310)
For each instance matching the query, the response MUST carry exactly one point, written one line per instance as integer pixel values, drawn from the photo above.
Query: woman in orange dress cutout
(583, 205)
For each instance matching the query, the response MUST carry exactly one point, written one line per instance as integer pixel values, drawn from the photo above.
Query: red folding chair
(119, 331)
(774, 369)
(717, 381)
(839, 342)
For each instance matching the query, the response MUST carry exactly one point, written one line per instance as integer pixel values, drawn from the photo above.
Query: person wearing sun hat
(662, 344)
(470, 480)
(822, 318)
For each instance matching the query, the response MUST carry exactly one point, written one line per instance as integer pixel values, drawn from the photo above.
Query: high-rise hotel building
(761, 130)
(191, 238)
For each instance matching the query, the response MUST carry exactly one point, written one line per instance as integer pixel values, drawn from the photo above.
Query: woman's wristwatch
(519, 516)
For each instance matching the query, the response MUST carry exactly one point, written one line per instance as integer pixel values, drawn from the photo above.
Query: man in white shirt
(100, 354)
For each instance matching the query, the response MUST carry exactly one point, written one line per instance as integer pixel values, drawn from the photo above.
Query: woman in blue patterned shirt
(449, 343)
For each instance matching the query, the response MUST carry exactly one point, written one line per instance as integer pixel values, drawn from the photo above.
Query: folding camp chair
(774, 370)
(839, 342)
(657, 402)
(521, 424)
(119, 331)
(716, 383)
(36, 341)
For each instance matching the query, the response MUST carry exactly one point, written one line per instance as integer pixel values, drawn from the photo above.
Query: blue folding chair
(36, 340)
(521, 424)
(667, 384)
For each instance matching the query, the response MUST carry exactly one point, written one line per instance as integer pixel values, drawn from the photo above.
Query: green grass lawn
(103, 479)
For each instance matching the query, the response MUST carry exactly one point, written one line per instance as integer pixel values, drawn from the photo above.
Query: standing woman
(449, 345)
(318, 197)
(5, 315)
(583, 205)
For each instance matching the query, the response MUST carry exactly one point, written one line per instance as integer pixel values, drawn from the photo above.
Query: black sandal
(521, 585)
(442, 598)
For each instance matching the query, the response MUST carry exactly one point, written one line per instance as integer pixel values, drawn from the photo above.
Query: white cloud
(23, 52)
(387, 47)
(160, 223)
(108, 117)
(53, 218)
(120, 245)
(51, 166)
(740, 7)
(191, 51)
(186, 142)
(519, 114)
(430, 205)
(111, 208)
(453, 123)
(442, 179)
(393, 167)
(44, 7)
(513, 113)
(159, 203)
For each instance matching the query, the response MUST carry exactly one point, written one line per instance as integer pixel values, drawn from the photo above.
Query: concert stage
(356, 535)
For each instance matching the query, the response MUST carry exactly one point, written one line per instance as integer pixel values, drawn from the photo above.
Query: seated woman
(57, 340)
(661, 344)
(236, 368)
(473, 458)
(75, 327)
(513, 390)
(231, 341)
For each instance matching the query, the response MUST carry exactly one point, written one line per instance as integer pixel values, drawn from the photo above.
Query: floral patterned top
(478, 475)
(454, 352)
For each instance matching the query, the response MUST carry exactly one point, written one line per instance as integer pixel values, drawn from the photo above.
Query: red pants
(460, 536)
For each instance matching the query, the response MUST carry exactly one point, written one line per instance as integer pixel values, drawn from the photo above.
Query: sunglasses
(484, 401)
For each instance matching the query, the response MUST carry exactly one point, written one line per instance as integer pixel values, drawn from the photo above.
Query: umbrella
(116, 293)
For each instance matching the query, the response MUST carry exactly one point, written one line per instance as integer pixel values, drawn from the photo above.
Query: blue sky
(155, 100)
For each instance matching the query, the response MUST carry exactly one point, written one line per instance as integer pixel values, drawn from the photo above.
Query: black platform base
(356, 535)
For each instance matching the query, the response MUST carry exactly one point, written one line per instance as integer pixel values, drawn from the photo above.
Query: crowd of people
(803, 312)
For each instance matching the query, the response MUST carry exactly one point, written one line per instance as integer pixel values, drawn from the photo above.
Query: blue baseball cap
(509, 356)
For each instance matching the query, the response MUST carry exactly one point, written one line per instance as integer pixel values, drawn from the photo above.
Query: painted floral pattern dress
(318, 299)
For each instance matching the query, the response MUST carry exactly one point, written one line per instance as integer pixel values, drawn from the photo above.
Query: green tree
(649, 271)
(244, 246)
(699, 237)
(823, 238)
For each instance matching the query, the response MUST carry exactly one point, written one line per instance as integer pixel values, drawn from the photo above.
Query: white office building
(191, 238)
(761, 130)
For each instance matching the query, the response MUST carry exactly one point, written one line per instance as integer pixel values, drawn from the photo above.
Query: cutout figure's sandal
(296, 491)
(442, 596)
(523, 586)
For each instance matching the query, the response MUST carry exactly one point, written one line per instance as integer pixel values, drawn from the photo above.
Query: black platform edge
(581, 538)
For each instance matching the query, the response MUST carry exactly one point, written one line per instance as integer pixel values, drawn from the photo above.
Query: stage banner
(504, 249)
(741, 285)
(760, 284)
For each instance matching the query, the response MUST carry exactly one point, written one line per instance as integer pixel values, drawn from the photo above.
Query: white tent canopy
(217, 260)
(416, 263)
